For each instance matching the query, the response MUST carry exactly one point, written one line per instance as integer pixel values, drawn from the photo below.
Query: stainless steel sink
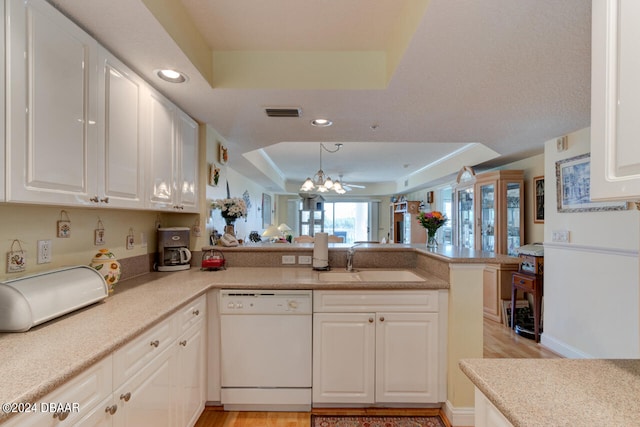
(370, 276)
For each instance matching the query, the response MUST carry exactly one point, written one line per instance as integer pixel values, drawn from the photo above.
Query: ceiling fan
(347, 186)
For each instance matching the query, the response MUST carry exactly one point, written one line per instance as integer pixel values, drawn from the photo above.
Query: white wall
(238, 185)
(591, 290)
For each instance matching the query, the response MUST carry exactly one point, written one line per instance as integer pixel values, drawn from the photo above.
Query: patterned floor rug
(375, 421)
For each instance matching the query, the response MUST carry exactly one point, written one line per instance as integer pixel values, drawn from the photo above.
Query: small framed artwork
(538, 199)
(214, 175)
(573, 180)
(223, 155)
(266, 210)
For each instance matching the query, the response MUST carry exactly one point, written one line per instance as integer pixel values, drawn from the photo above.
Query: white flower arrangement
(231, 209)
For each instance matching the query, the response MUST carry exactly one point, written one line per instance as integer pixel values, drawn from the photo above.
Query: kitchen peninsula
(37, 362)
(559, 392)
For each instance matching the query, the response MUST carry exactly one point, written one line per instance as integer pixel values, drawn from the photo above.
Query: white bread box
(31, 300)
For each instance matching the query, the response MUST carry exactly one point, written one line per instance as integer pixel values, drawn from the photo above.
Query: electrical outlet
(560, 236)
(44, 251)
(304, 259)
(143, 241)
(288, 259)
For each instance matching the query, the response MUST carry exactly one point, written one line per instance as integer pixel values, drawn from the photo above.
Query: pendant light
(320, 183)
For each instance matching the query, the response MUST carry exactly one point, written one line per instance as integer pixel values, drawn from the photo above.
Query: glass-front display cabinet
(489, 213)
(464, 221)
(500, 219)
(311, 222)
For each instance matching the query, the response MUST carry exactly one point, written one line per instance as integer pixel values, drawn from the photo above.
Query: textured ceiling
(501, 74)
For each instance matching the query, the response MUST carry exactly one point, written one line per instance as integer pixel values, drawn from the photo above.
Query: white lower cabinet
(486, 414)
(191, 371)
(148, 398)
(407, 357)
(343, 357)
(157, 379)
(377, 347)
(84, 394)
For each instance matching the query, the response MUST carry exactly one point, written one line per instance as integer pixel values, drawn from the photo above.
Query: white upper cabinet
(161, 151)
(173, 157)
(187, 176)
(79, 123)
(2, 102)
(615, 100)
(51, 106)
(120, 134)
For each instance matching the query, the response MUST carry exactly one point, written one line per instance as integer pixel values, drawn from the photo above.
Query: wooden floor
(499, 342)
(217, 417)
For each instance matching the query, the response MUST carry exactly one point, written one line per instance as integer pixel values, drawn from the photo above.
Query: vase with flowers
(231, 209)
(431, 221)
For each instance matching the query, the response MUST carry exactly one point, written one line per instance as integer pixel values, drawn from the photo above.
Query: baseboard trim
(561, 348)
(459, 416)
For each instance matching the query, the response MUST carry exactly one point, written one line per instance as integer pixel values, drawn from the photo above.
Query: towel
(321, 251)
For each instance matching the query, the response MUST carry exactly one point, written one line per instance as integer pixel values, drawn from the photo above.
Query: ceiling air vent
(283, 112)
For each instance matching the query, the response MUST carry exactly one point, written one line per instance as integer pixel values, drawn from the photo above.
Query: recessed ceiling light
(321, 123)
(172, 76)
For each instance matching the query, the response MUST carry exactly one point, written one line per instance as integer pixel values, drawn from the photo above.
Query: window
(351, 220)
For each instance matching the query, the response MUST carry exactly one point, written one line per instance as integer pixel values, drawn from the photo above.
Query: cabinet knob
(183, 343)
(370, 319)
(196, 312)
(94, 199)
(155, 343)
(382, 318)
(111, 409)
(126, 396)
(105, 200)
(61, 415)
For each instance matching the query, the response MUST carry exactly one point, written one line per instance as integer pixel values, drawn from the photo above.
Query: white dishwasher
(266, 349)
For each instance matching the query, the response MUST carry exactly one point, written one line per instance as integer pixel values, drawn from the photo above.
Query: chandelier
(320, 183)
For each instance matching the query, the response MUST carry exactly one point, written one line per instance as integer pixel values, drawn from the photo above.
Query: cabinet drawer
(523, 281)
(81, 394)
(191, 313)
(373, 301)
(131, 358)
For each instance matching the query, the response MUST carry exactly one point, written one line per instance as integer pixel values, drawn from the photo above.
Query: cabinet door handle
(105, 200)
(155, 343)
(111, 409)
(126, 396)
(183, 343)
(382, 318)
(521, 282)
(196, 312)
(94, 199)
(370, 319)
(61, 415)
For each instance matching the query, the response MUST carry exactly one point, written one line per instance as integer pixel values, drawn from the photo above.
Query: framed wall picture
(214, 175)
(538, 199)
(223, 155)
(573, 187)
(266, 210)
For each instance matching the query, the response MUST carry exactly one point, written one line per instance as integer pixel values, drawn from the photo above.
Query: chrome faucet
(350, 253)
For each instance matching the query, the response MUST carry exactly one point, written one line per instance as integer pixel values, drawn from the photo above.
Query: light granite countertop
(560, 392)
(447, 253)
(35, 362)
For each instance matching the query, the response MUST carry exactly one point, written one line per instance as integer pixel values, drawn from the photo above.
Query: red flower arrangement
(432, 221)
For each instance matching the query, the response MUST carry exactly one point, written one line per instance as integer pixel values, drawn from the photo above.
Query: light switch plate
(561, 236)
(288, 259)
